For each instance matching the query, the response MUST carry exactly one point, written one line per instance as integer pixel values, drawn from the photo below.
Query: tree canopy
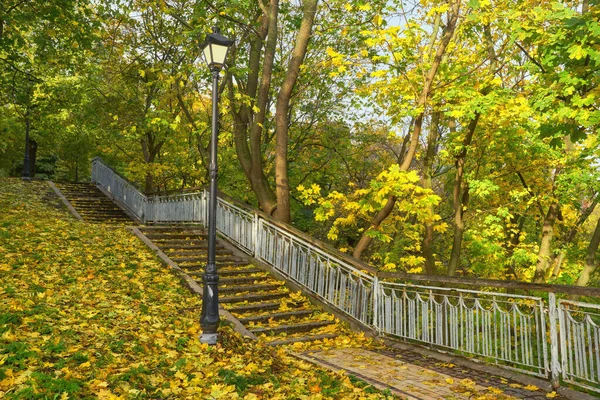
(440, 136)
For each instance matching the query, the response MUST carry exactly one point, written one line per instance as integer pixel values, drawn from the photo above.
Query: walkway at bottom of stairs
(414, 376)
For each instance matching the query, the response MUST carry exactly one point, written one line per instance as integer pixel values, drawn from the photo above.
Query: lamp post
(215, 49)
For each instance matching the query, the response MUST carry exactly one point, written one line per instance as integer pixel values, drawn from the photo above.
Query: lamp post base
(209, 338)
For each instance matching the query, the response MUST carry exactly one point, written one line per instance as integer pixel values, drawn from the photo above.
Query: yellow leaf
(449, 381)
(494, 390)
(533, 388)
(551, 395)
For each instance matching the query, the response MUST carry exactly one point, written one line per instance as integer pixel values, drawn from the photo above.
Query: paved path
(417, 377)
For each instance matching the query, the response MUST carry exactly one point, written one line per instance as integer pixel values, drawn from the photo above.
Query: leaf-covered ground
(86, 311)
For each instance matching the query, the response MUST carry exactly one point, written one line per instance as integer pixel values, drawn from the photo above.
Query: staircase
(92, 204)
(263, 304)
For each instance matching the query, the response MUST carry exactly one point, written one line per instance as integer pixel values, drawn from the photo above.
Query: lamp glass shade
(215, 54)
(215, 49)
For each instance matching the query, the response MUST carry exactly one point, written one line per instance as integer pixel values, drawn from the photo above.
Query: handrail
(135, 185)
(125, 191)
(495, 283)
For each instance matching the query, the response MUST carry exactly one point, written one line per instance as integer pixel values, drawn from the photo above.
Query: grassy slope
(87, 311)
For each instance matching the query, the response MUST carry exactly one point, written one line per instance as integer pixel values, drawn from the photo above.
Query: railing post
(375, 286)
(554, 360)
(255, 235)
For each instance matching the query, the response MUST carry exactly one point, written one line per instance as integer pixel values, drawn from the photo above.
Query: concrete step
(292, 328)
(251, 298)
(242, 280)
(203, 258)
(200, 266)
(249, 288)
(253, 307)
(176, 252)
(156, 236)
(277, 316)
(302, 339)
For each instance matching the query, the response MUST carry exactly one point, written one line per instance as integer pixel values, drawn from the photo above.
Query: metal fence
(337, 283)
(236, 224)
(508, 330)
(541, 337)
(580, 343)
(178, 208)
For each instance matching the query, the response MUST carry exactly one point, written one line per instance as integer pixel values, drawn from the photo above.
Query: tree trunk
(572, 233)
(365, 239)
(460, 201)
(283, 212)
(248, 128)
(151, 148)
(590, 258)
(426, 180)
(546, 243)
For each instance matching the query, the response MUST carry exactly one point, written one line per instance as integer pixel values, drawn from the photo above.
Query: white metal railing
(339, 284)
(542, 337)
(236, 224)
(177, 208)
(580, 343)
(119, 187)
(506, 329)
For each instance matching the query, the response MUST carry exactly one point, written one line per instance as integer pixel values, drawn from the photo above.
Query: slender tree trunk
(461, 198)
(151, 148)
(453, 16)
(283, 212)
(426, 180)
(546, 243)
(365, 240)
(572, 233)
(590, 258)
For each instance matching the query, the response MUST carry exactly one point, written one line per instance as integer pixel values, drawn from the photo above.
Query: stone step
(241, 280)
(302, 339)
(201, 243)
(200, 266)
(104, 212)
(249, 288)
(276, 316)
(253, 307)
(107, 204)
(155, 236)
(193, 252)
(184, 245)
(200, 257)
(292, 328)
(238, 272)
(107, 220)
(252, 297)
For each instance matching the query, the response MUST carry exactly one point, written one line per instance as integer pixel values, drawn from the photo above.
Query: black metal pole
(209, 320)
(26, 175)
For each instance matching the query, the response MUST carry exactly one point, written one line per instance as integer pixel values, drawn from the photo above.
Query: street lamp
(215, 49)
